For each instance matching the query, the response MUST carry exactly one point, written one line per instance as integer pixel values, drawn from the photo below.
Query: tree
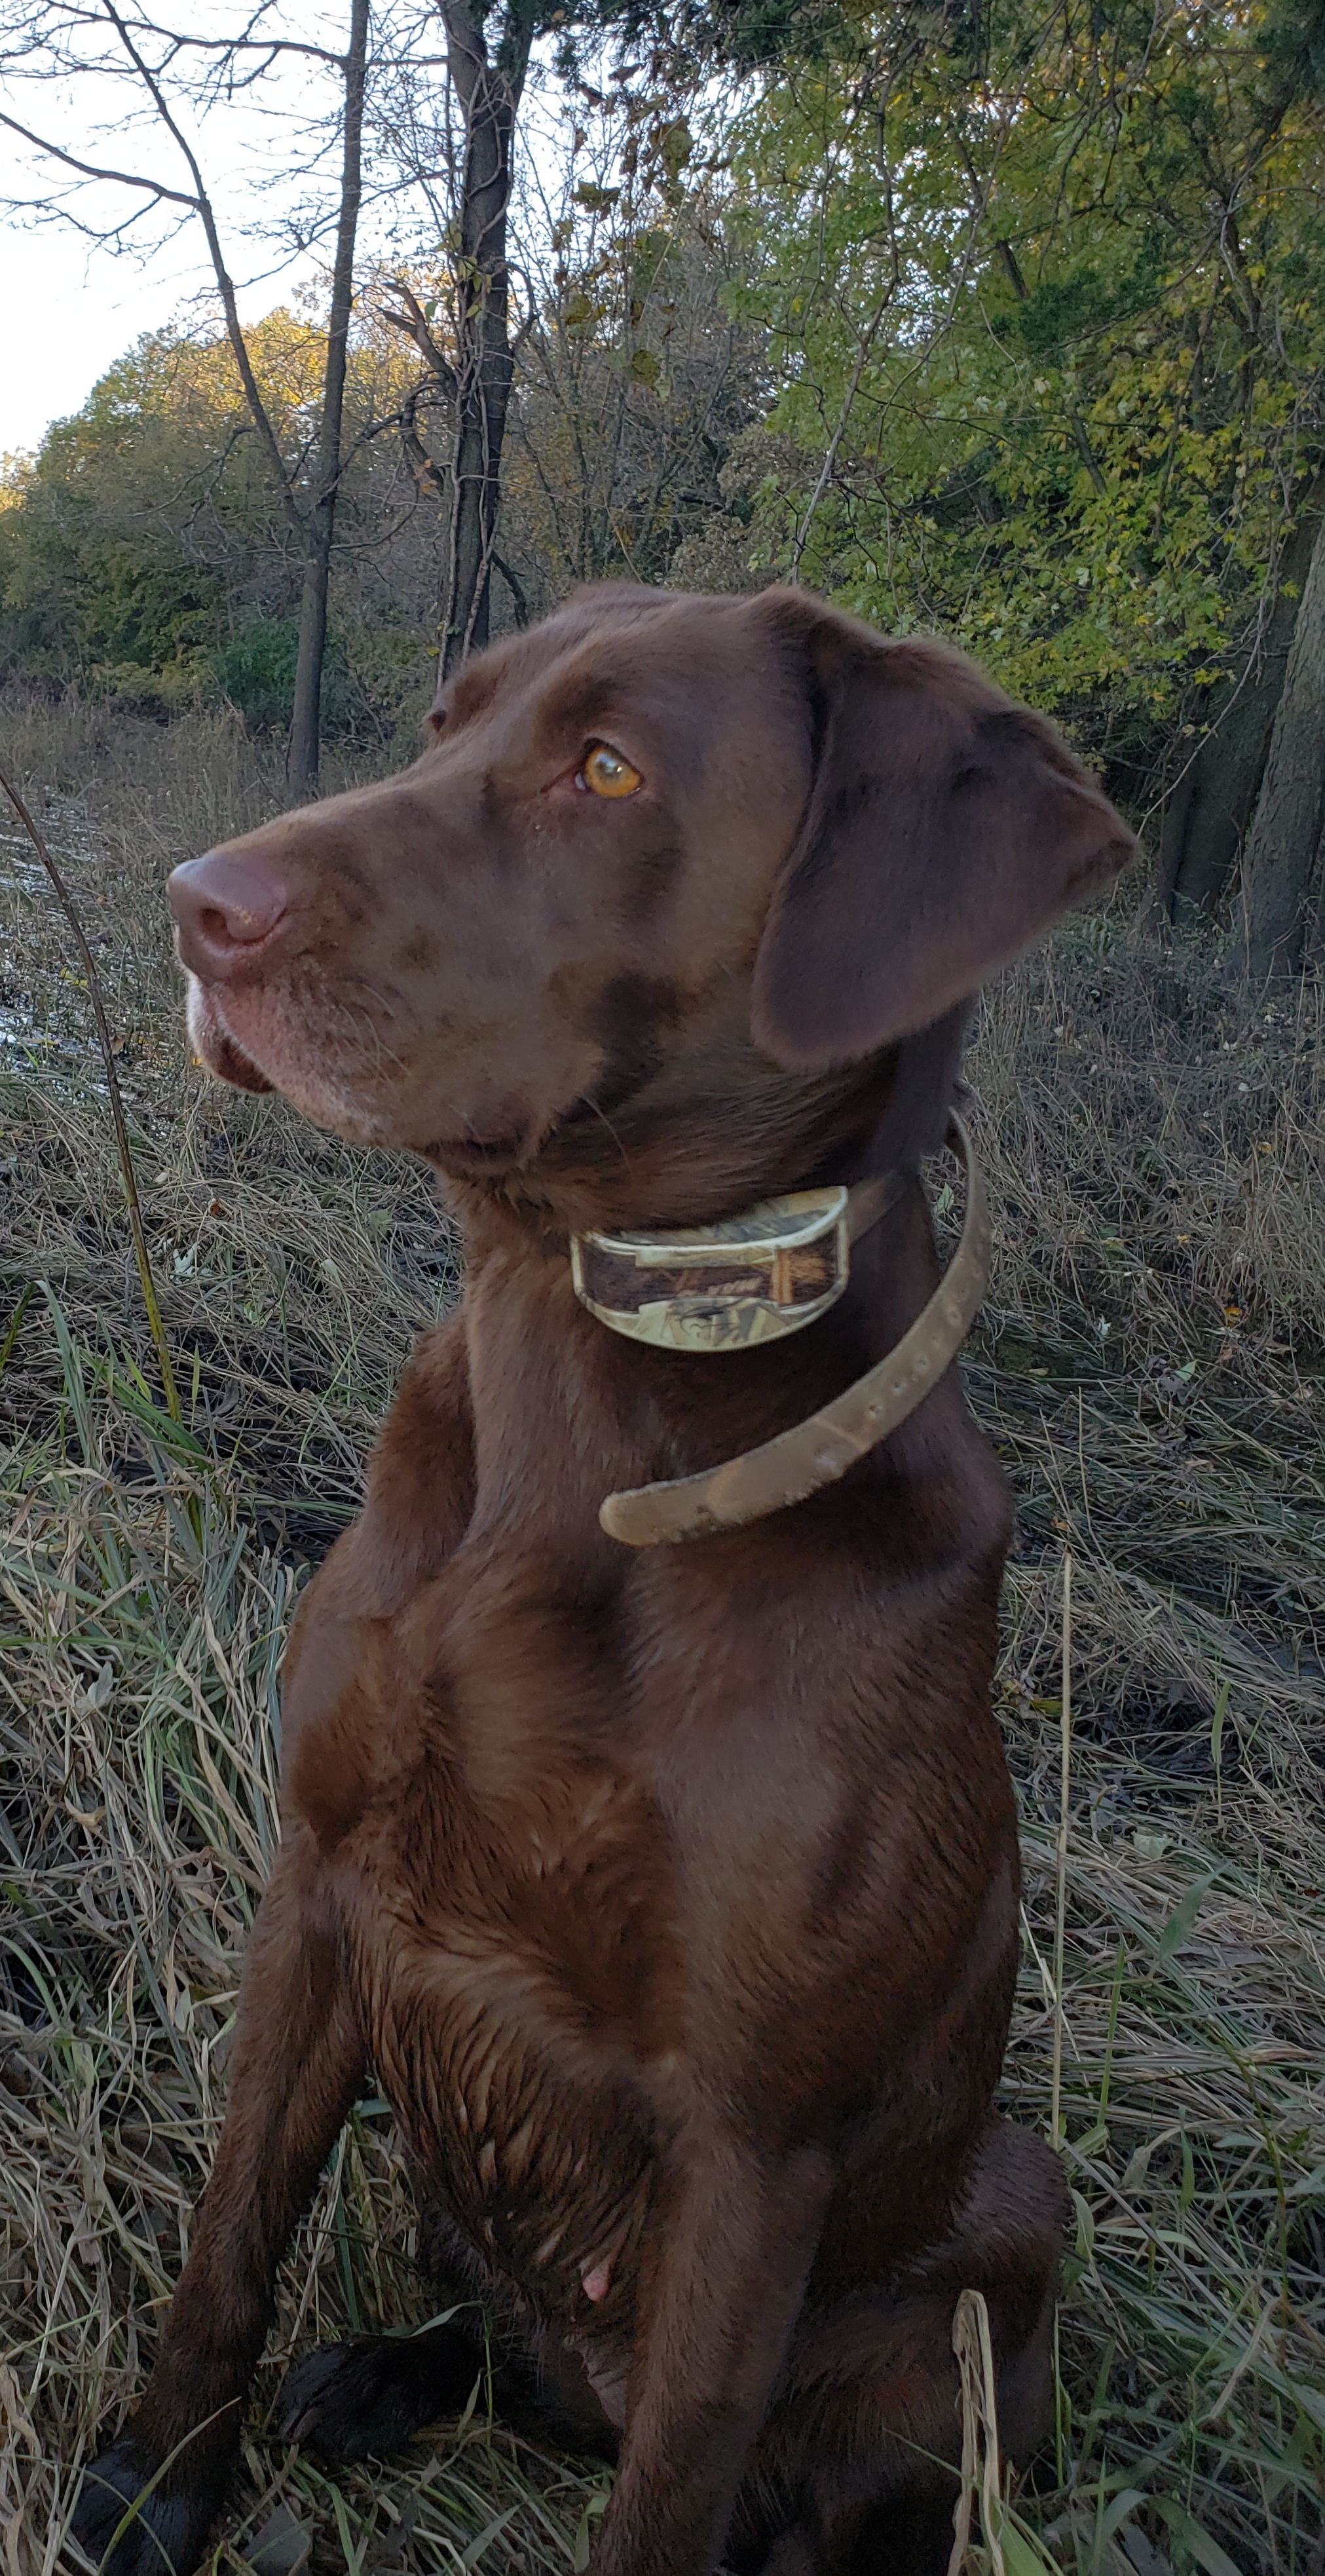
(634, 379)
(470, 349)
(468, 352)
(457, 150)
(144, 555)
(1279, 867)
(305, 729)
(1046, 295)
(1217, 761)
(179, 78)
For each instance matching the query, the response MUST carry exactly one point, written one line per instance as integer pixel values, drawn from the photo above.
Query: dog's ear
(946, 826)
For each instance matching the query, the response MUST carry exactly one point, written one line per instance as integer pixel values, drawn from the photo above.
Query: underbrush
(1149, 1367)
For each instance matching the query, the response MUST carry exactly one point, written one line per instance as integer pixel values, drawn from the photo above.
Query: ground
(1150, 1368)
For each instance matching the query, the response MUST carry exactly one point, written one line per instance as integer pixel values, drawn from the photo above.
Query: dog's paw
(166, 2534)
(352, 2401)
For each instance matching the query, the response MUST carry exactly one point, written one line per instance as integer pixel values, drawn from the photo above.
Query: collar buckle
(749, 1279)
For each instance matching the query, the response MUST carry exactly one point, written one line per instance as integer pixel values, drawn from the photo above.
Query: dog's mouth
(475, 1154)
(478, 1152)
(212, 1042)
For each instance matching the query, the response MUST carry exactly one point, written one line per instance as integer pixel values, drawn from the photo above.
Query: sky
(68, 308)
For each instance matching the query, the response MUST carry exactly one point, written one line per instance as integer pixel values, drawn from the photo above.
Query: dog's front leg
(731, 2239)
(298, 2059)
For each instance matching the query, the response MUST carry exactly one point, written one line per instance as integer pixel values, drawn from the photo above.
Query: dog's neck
(670, 1159)
(612, 1415)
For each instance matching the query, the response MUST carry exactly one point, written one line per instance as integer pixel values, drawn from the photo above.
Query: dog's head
(670, 867)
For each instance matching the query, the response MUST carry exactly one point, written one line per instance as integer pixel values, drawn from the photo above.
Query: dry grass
(1151, 1371)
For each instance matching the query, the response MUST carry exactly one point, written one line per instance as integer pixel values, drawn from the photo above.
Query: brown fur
(672, 1894)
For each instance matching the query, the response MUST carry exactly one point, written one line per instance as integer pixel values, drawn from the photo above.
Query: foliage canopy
(1044, 290)
(999, 319)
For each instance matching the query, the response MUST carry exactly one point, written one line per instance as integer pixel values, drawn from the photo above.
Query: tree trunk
(1280, 858)
(306, 723)
(1207, 813)
(489, 95)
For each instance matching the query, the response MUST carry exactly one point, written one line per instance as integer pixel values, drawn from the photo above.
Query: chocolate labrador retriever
(646, 1827)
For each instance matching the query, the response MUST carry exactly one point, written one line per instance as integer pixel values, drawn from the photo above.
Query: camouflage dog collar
(814, 1453)
(728, 1287)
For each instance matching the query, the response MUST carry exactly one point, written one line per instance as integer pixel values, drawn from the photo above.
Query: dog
(646, 1827)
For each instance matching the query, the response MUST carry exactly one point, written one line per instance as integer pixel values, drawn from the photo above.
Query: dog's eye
(606, 773)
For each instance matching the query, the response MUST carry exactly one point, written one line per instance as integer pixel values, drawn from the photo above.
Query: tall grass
(1150, 1368)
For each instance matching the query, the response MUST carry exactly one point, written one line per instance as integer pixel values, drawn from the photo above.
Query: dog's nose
(226, 905)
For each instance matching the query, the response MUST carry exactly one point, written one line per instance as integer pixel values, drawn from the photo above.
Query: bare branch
(414, 323)
(223, 45)
(90, 169)
(427, 472)
(225, 283)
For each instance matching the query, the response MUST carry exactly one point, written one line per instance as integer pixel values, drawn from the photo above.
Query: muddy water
(54, 1022)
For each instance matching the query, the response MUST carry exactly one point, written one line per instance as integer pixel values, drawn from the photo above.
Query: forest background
(1002, 318)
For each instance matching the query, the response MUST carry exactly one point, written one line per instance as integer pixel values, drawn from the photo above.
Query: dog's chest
(522, 2007)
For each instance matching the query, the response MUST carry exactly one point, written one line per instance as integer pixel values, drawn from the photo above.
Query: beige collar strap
(817, 1452)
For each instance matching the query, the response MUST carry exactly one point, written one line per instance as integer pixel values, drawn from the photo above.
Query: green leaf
(1119, 2510)
(15, 1326)
(644, 367)
(1217, 1728)
(489, 2533)
(174, 1437)
(676, 145)
(1023, 2553)
(1184, 2526)
(75, 1384)
(596, 2506)
(1184, 1916)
